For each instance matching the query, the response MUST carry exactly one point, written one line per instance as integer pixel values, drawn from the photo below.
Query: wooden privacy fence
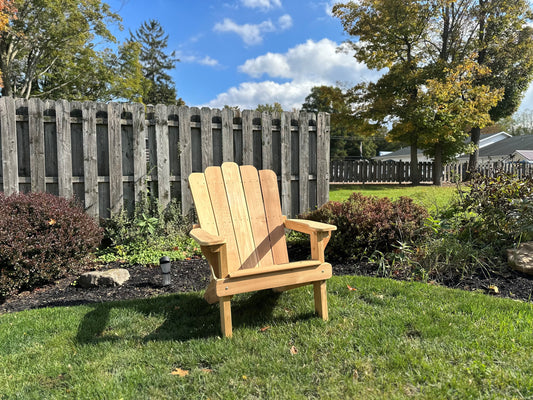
(109, 155)
(367, 171)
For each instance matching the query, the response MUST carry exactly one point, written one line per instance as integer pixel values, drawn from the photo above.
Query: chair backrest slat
(239, 215)
(202, 202)
(219, 201)
(276, 230)
(256, 210)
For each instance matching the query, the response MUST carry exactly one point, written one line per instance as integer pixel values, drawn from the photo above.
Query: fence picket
(116, 191)
(90, 164)
(185, 157)
(36, 135)
(163, 153)
(64, 149)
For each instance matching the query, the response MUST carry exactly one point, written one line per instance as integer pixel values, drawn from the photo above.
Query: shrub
(494, 210)
(150, 233)
(366, 224)
(42, 238)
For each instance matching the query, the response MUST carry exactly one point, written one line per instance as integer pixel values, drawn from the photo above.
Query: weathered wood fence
(109, 155)
(368, 171)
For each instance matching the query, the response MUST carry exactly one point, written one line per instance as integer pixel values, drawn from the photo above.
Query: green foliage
(147, 235)
(369, 224)
(42, 238)
(269, 108)
(496, 210)
(156, 63)
(48, 50)
(348, 137)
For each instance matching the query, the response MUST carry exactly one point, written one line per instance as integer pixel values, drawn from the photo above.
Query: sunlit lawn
(387, 339)
(432, 197)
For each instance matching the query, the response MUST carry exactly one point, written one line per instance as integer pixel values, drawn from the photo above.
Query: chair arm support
(307, 226)
(205, 238)
(318, 232)
(214, 250)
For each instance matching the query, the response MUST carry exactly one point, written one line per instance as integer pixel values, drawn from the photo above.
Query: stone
(111, 277)
(521, 258)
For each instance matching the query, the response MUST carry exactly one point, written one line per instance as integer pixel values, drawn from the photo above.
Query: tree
(346, 139)
(7, 13)
(419, 40)
(391, 35)
(270, 108)
(49, 48)
(450, 106)
(156, 63)
(504, 43)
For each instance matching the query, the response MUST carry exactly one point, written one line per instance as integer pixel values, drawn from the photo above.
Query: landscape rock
(521, 258)
(111, 277)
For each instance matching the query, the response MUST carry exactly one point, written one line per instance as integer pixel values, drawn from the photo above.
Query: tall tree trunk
(437, 165)
(415, 172)
(475, 135)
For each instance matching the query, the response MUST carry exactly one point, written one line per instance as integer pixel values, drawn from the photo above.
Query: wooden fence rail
(109, 155)
(367, 171)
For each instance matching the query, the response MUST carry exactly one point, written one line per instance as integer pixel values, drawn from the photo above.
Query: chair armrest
(204, 238)
(307, 226)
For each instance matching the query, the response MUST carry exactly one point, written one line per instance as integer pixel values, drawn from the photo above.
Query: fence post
(323, 146)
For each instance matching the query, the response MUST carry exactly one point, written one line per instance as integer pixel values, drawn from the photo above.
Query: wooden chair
(241, 232)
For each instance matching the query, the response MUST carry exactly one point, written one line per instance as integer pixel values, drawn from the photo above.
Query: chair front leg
(321, 299)
(225, 316)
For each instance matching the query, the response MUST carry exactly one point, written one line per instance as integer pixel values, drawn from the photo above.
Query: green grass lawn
(387, 339)
(432, 197)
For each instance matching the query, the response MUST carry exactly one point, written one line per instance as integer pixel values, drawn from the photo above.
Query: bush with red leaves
(367, 223)
(42, 238)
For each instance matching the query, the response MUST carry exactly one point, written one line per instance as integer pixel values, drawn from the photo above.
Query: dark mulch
(194, 275)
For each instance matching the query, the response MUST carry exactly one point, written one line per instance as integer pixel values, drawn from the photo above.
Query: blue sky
(249, 52)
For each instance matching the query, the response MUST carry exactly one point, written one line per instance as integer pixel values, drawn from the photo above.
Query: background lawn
(434, 198)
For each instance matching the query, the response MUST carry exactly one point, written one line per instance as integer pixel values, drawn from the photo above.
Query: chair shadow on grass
(186, 316)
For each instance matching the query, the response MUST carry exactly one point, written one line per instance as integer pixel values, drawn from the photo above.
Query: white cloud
(263, 4)
(285, 22)
(250, 34)
(328, 7)
(249, 94)
(253, 34)
(309, 61)
(194, 59)
(304, 66)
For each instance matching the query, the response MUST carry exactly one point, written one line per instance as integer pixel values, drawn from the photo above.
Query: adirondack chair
(241, 232)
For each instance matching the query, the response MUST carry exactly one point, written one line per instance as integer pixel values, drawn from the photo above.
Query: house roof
(406, 151)
(507, 146)
(526, 154)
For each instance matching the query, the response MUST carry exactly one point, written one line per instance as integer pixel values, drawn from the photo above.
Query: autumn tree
(49, 50)
(346, 137)
(417, 41)
(156, 63)
(7, 13)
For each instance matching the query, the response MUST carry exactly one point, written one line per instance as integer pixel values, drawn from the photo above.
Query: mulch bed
(194, 275)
